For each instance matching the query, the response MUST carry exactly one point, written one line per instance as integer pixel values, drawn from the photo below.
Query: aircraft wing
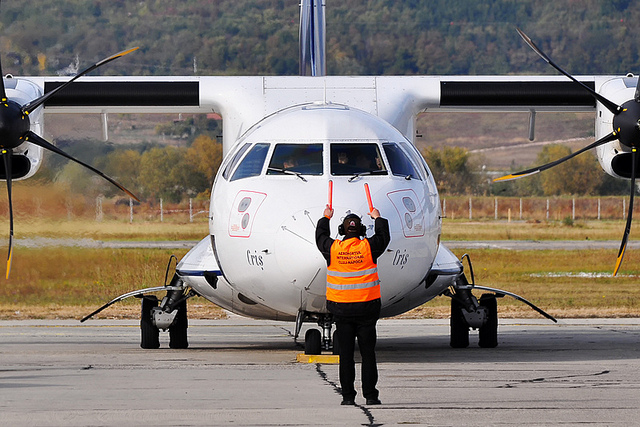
(245, 100)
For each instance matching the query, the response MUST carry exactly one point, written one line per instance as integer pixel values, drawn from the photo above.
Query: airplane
(293, 144)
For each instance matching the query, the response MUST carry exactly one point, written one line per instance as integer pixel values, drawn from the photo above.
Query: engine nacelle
(614, 157)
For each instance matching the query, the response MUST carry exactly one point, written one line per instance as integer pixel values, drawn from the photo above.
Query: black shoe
(374, 402)
(348, 402)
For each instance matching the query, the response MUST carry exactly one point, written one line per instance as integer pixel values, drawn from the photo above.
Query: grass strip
(70, 282)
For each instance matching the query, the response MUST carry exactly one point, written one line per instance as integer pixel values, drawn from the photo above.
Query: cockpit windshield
(303, 159)
(252, 163)
(356, 159)
(399, 162)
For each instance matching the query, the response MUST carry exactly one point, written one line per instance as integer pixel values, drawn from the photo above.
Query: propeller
(627, 228)
(15, 130)
(626, 129)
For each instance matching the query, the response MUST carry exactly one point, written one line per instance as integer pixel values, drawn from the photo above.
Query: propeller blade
(30, 106)
(611, 106)
(3, 92)
(636, 96)
(35, 139)
(612, 136)
(627, 229)
(6, 156)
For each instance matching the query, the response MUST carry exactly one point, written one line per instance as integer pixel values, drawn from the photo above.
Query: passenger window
(305, 159)
(356, 159)
(399, 162)
(252, 163)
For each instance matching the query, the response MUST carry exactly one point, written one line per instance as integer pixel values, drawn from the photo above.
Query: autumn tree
(205, 156)
(124, 167)
(165, 173)
(453, 171)
(581, 175)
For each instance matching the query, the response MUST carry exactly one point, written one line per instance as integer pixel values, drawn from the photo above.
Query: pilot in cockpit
(343, 159)
(290, 162)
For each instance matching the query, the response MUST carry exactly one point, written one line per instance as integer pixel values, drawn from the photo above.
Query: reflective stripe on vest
(352, 275)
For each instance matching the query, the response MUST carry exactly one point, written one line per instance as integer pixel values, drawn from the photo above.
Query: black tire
(313, 342)
(336, 343)
(178, 329)
(150, 334)
(488, 333)
(459, 326)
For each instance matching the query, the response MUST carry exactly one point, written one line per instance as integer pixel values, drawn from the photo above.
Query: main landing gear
(467, 312)
(170, 313)
(315, 341)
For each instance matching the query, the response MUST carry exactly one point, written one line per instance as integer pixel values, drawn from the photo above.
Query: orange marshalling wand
(366, 190)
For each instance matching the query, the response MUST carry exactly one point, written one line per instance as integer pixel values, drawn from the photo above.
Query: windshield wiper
(358, 175)
(288, 172)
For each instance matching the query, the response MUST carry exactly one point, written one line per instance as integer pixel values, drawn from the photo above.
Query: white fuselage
(263, 220)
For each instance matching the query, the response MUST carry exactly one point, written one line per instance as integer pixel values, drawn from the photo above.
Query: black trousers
(362, 328)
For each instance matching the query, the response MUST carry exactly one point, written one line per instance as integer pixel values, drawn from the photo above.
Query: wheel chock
(318, 358)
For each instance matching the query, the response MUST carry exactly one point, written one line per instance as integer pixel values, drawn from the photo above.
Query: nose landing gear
(315, 341)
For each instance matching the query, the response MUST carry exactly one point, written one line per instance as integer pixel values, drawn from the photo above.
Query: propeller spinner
(626, 129)
(15, 130)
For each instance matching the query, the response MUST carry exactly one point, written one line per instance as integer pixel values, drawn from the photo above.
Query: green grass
(59, 282)
(72, 282)
(563, 283)
(110, 230)
(547, 230)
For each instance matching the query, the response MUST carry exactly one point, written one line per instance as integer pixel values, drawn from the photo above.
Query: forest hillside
(248, 37)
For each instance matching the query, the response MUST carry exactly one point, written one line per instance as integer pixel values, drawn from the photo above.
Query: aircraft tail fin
(312, 38)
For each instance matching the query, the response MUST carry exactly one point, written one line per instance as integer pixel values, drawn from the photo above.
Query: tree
(453, 171)
(165, 173)
(78, 179)
(581, 175)
(123, 166)
(155, 173)
(205, 156)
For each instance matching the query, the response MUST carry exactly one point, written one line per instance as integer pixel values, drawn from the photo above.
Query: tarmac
(244, 372)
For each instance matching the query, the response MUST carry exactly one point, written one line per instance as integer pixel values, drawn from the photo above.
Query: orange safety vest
(352, 276)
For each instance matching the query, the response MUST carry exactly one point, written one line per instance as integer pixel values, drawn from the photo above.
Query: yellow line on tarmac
(318, 358)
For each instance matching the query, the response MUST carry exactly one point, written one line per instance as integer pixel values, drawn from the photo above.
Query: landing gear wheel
(178, 330)
(312, 342)
(488, 333)
(149, 332)
(459, 326)
(336, 346)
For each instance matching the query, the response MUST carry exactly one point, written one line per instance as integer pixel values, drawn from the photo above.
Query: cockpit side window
(356, 159)
(236, 158)
(305, 159)
(252, 163)
(399, 162)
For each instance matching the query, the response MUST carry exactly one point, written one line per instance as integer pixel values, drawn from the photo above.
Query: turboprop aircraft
(294, 144)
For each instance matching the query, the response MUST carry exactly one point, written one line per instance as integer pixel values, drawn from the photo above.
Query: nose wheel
(315, 340)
